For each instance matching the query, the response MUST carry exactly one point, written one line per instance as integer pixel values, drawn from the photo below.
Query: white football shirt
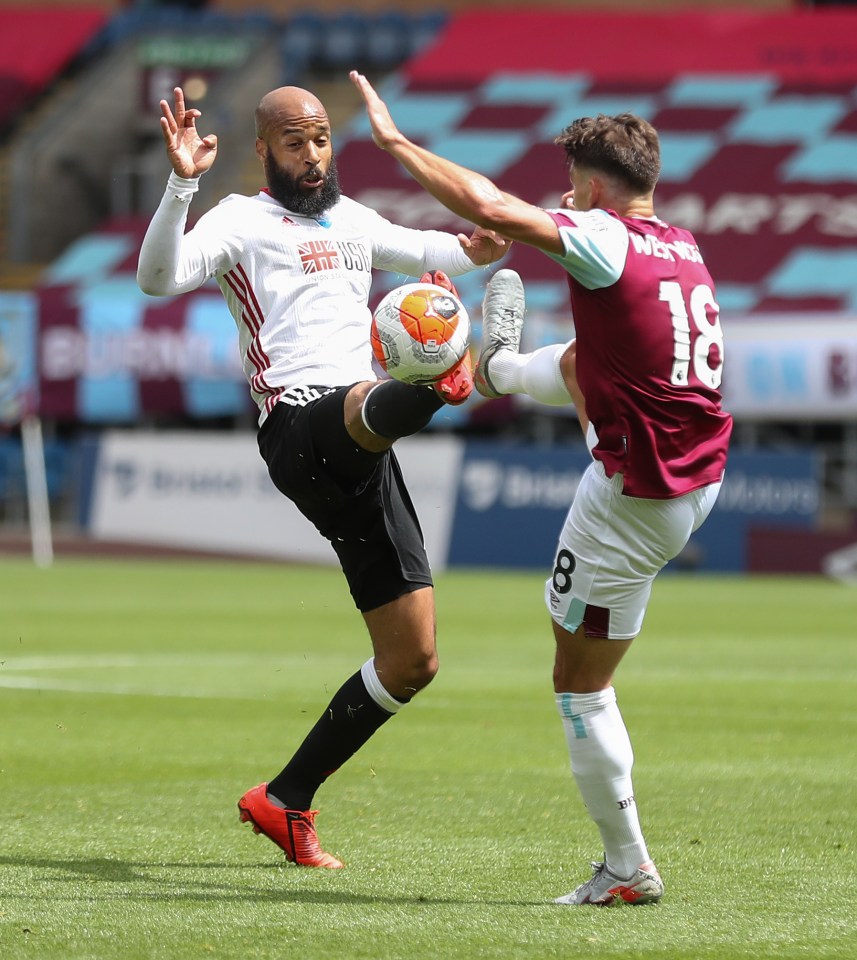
(297, 287)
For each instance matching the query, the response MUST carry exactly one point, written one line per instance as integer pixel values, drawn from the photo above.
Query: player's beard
(288, 190)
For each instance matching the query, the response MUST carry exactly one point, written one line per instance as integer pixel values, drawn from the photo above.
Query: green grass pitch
(139, 699)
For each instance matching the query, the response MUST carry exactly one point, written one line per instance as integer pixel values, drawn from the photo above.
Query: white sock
(601, 761)
(376, 689)
(537, 374)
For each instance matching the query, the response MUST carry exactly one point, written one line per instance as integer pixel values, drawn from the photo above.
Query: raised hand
(484, 246)
(190, 154)
(384, 131)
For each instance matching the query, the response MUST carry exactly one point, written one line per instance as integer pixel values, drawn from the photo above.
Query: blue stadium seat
(388, 38)
(261, 20)
(300, 44)
(344, 41)
(424, 28)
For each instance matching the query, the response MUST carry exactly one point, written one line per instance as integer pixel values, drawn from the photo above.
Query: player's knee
(568, 680)
(354, 423)
(406, 675)
(577, 675)
(422, 670)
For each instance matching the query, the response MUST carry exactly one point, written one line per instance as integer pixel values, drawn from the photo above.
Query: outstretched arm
(167, 265)
(465, 192)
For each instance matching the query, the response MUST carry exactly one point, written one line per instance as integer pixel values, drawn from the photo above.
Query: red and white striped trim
(253, 318)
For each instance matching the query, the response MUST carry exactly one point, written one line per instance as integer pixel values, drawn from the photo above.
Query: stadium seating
(352, 39)
(32, 57)
(761, 164)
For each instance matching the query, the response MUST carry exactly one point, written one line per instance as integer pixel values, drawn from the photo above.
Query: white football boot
(502, 321)
(604, 889)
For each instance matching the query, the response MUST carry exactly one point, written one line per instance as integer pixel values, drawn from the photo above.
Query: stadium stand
(760, 151)
(760, 156)
(32, 57)
(136, 59)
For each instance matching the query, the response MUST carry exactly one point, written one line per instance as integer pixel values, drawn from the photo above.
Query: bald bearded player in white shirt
(295, 265)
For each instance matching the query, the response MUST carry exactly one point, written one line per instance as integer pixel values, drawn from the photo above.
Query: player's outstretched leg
(605, 889)
(502, 321)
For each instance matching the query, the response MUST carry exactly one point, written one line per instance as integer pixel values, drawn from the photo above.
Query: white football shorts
(610, 550)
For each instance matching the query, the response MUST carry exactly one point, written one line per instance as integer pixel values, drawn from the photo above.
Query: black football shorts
(356, 500)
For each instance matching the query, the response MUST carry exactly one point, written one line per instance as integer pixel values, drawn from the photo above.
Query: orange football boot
(293, 831)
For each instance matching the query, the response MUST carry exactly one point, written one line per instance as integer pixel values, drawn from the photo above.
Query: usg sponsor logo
(490, 483)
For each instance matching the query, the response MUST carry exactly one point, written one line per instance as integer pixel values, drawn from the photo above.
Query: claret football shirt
(649, 350)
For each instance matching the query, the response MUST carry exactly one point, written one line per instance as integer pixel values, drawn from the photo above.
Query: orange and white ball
(419, 332)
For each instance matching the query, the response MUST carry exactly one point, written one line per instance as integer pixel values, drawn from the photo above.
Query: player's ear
(261, 149)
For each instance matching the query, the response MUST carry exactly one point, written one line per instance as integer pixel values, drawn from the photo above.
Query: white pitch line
(104, 661)
(16, 673)
(70, 686)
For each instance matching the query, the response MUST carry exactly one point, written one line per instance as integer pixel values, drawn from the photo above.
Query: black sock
(348, 722)
(395, 409)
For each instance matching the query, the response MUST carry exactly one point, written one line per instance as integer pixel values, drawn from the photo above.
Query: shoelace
(506, 329)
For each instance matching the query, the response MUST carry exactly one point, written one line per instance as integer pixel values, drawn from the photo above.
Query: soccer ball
(419, 332)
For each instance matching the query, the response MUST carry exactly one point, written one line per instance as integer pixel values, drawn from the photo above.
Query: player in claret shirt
(295, 265)
(644, 371)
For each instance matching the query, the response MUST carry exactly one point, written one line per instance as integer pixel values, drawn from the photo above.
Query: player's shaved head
(294, 145)
(287, 106)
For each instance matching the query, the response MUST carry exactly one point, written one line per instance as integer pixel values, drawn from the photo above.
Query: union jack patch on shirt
(318, 255)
